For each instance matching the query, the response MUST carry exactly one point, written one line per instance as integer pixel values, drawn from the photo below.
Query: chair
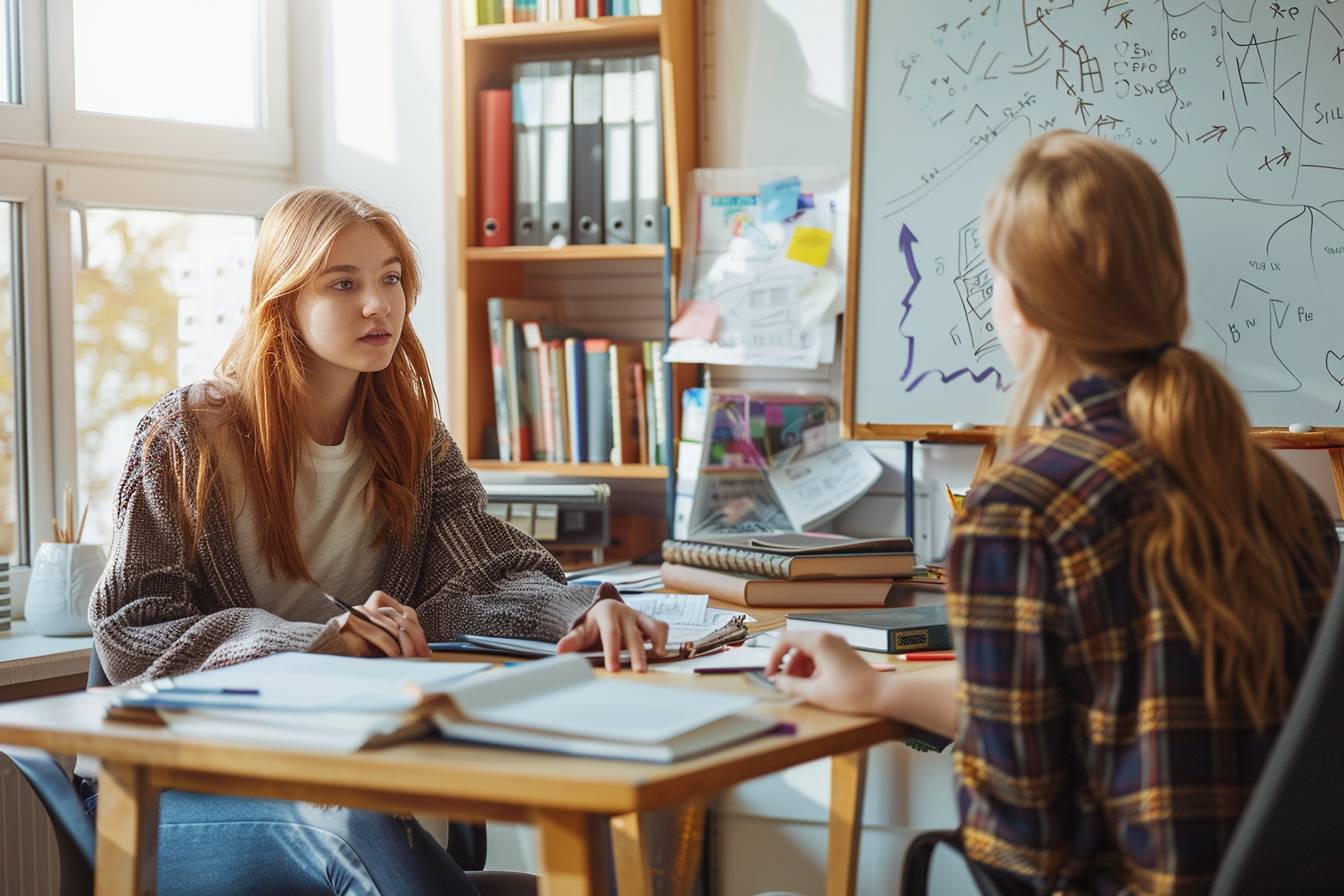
(75, 835)
(1287, 840)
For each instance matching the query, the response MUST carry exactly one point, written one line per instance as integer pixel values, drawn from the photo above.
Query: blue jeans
(223, 844)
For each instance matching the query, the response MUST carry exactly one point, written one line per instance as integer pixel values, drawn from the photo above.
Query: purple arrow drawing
(907, 243)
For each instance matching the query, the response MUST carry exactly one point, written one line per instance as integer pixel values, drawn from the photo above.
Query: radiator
(29, 863)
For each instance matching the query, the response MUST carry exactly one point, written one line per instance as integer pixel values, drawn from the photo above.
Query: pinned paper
(779, 199)
(696, 320)
(818, 298)
(810, 245)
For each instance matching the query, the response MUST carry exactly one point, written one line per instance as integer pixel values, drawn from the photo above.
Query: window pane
(7, 54)
(9, 430)
(163, 294)
(193, 61)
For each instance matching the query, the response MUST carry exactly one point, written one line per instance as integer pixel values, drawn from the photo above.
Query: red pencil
(927, 656)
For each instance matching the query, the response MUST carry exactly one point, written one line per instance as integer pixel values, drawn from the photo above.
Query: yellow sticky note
(810, 245)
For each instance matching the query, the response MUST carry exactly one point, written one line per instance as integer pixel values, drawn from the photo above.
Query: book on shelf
(509, 12)
(796, 555)
(885, 630)
(564, 396)
(760, 591)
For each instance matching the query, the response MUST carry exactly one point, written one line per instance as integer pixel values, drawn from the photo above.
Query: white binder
(648, 152)
(527, 154)
(618, 96)
(556, 142)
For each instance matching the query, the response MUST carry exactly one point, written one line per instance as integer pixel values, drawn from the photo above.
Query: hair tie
(1155, 354)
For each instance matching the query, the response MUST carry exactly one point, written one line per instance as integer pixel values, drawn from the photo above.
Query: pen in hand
(362, 614)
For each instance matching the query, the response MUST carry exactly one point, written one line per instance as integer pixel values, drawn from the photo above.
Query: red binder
(496, 166)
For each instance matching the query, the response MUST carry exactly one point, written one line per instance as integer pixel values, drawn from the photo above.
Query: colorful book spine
(597, 389)
(576, 399)
(495, 316)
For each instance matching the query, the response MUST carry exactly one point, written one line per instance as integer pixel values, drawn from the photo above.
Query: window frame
(26, 122)
(76, 188)
(22, 183)
(269, 144)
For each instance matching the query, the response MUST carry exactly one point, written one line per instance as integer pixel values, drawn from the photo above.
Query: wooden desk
(570, 801)
(32, 665)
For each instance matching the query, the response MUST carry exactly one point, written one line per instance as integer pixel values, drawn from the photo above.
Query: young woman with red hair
(314, 463)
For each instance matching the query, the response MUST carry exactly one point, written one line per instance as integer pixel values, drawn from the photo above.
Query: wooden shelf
(602, 32)
(578, 471)
(599, 252)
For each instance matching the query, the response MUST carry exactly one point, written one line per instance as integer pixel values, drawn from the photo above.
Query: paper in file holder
(560, 516)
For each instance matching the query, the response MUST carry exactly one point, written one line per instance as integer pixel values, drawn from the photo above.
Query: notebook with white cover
(561, 705)
(301, 682)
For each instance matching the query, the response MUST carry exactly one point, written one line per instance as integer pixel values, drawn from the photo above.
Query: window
(155, 308)
(175, 78)
(179, 60)
(10, 475)
(23, 77)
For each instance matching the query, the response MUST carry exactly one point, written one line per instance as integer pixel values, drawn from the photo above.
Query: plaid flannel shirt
(1086, 759)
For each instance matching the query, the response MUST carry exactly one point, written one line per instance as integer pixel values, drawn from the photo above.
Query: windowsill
(26, 656)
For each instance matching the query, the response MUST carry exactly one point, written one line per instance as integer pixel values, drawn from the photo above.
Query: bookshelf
(483, 56)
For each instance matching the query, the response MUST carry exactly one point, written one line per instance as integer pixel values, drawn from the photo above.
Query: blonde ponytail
(1086, 235)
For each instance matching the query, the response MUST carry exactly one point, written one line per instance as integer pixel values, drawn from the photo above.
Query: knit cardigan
(155, 613)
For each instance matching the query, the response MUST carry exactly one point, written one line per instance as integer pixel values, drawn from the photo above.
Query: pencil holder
(59, 589)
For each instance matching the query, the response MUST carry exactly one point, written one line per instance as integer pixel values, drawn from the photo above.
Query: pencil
(69, 514)
(929, 656)
(83, 519)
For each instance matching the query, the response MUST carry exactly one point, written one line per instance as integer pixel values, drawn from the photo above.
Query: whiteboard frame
(850, 428)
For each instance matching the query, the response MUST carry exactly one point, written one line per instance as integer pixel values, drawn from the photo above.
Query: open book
(560, 705)
(296, 700)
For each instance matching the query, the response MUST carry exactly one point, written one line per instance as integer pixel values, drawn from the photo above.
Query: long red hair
(261, 382)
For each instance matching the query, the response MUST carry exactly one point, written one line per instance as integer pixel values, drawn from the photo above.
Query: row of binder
(573, 153)
(508, 12)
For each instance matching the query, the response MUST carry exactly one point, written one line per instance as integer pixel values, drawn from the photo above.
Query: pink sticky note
(697, 320)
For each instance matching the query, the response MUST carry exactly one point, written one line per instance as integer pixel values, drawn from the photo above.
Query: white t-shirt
(335, 532)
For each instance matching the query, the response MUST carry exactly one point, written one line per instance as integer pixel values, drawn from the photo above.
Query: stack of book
(571, 153)
(566, 398)
(790, 569)
(509, 12)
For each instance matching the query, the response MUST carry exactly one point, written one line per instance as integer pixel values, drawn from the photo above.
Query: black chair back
(1288, 839)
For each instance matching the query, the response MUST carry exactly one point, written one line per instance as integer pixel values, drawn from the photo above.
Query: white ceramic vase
(58, 591)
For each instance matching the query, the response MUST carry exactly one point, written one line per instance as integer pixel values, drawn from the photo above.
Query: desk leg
(842, 855)
(127, 852)
(573, 855)
(630, 842)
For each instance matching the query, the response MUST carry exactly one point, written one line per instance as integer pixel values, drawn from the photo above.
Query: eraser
(962, 425)
(1299, 427)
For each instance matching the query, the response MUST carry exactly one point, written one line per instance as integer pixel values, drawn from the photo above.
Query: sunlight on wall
(361, 69)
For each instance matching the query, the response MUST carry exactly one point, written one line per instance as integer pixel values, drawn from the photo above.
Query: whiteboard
(1239, 106)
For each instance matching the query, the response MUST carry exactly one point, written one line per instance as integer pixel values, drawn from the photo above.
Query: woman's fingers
(656, 632)
(610, 632)
(408, 630)
(375, 634)
(634, 642)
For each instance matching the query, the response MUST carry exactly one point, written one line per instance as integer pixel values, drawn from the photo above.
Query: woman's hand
(822, 669)
(615, 625)
(395, 630)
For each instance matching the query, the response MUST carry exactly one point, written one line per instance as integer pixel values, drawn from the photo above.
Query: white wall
(370, 109)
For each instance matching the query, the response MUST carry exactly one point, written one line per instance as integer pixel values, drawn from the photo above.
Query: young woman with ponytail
(314, 463)
(1134, 589)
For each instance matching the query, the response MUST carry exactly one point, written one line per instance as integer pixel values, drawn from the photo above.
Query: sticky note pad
(779, 199)
(810, 245)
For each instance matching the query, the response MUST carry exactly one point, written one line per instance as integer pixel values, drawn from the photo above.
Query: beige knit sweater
(155, 614)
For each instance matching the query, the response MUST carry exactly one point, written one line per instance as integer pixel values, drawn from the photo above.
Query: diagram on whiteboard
(1238, 105)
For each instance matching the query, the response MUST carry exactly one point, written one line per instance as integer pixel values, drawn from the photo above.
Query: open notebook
(298, 700)
(561, 705)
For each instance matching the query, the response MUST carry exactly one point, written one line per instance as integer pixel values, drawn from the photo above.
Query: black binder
(588, 194)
